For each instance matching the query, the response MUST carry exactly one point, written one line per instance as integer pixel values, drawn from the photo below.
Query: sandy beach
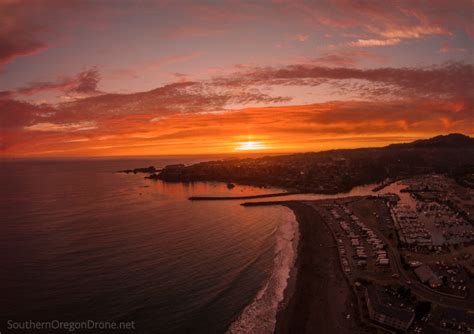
(318, 299)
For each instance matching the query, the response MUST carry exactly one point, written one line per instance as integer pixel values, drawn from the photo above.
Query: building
(427, 276)
(383, 262)
(355, 242)
(386, 309)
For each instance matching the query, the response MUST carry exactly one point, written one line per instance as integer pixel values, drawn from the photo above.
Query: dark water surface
(80, 242)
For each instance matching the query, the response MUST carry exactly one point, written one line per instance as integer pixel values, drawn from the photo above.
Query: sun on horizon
(197, 77)
(251, 146)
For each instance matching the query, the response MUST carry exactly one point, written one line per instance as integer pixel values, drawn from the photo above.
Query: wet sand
(318, 298)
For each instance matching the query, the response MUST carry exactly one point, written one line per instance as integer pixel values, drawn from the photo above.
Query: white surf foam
(260, 315)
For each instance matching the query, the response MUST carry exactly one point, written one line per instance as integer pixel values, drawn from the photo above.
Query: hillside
(336, 170)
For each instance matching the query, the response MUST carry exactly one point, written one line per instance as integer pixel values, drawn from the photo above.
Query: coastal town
(335, 171)
(236, 166)
(396, 257)
(407, 255)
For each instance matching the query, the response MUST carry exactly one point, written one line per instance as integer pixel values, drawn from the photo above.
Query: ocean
(80, 242)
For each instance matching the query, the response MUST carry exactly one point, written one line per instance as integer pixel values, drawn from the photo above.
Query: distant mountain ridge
(453, 140)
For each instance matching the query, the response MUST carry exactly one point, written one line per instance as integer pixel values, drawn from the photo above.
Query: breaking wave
(260, 315)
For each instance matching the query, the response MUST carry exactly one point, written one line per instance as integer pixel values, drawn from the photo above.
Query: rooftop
(387, 304)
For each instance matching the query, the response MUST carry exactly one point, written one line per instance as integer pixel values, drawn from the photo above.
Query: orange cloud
(345, 58)
(301, 37)
(18, 35)
(81, 85)
(375, 42)
(313, 127)
(446, 80)
(414, 32)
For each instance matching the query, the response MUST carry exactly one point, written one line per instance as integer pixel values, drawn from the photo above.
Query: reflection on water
(365, 190)
(81, 242)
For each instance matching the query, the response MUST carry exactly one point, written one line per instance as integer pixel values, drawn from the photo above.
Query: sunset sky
(135, 78)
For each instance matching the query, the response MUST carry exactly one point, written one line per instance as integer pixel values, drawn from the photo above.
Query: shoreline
(318, 302)
(317, 297)
(292, 279)
(260, 315)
